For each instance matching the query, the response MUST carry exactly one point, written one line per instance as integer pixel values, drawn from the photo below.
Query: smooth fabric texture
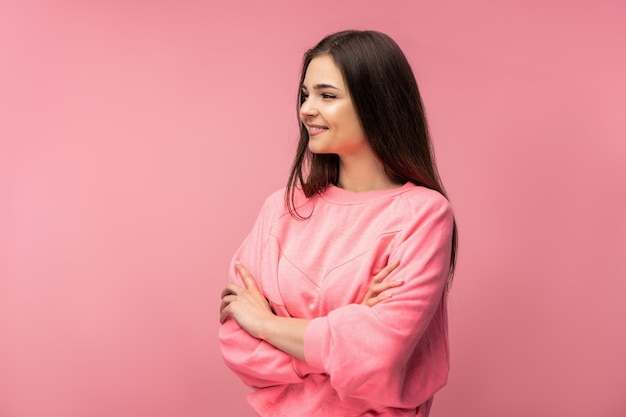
(386, 360)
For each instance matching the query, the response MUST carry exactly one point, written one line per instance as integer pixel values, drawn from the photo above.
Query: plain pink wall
(138, 140)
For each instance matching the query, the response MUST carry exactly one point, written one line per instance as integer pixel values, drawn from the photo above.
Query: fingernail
(237, 263)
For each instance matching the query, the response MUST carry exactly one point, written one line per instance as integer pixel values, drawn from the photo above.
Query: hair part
(384, 91)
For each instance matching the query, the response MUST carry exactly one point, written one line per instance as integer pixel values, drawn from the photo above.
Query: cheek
(355, 126)
(342, 117)
(350, 119)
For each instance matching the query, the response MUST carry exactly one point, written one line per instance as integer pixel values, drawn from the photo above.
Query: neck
(363, 173)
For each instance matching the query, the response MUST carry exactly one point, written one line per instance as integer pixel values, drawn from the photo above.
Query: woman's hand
(246, 304)
(252, 311)
(375, 294)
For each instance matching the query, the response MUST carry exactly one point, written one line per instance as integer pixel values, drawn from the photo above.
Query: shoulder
(276, 198)
(275, 203)
(428, 216)
(420, 199)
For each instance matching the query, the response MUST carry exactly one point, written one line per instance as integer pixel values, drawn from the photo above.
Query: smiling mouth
(316, 129)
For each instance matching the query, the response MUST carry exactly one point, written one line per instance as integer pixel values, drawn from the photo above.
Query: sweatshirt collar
(338, 195)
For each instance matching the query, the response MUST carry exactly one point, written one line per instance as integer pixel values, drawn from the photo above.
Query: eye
(303, 96)
(328, 96)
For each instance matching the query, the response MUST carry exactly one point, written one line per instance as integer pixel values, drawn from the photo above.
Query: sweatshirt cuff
(315, 342)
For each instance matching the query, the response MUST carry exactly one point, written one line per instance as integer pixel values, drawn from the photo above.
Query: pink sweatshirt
(385, 360)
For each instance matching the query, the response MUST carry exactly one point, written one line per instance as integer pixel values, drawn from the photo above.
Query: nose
(308, 109)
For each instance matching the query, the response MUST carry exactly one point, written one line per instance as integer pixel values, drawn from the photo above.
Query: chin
(318, 149)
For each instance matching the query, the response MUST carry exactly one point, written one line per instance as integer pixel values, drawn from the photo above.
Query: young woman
(336, 304)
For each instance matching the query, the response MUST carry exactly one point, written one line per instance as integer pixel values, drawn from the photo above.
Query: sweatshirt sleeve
(256, 362)
(395, 351)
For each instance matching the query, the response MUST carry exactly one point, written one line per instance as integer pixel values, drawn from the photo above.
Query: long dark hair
(384, 91)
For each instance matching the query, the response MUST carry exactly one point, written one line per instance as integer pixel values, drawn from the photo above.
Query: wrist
(268, 325)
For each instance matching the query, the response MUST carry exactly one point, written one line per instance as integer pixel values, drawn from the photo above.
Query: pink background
(138, 140)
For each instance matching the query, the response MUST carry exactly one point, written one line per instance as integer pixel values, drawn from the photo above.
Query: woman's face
(328, 113)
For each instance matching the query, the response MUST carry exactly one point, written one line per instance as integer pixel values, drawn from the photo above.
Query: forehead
(322, 70)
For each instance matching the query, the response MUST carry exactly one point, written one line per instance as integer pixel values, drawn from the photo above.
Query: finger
(246, 276)
(224, 315)
(231, 289)
(375, 292)
(371, 302)
(382, 274)
(226, 301)
(385, 285)
(368, 296)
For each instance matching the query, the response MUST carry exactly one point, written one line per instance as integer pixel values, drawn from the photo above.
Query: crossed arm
(251, 310)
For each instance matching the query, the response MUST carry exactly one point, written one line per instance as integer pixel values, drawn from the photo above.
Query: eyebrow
(320, 87)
